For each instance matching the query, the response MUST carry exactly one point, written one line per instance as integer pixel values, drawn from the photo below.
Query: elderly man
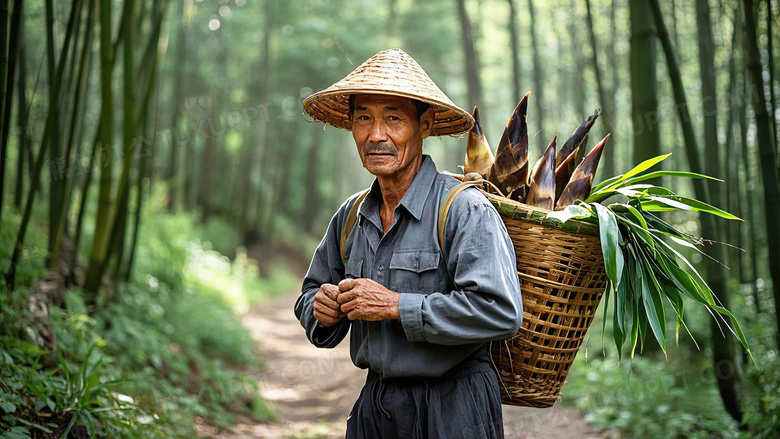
(420, 315)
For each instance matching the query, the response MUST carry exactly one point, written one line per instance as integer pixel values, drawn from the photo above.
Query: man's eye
(394, 118)
(362, 117)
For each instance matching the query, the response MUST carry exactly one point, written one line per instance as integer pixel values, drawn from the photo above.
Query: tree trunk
(708, 99)
(21, 118)
(644, 101)
(723, 348)
(144, 172)
(174, 181)
(48, 132)
(100, 238)
(8, 56)
(472, 61)
(767, 154)
(771, 65)
(750, 182)
(21, 121)
(541, 140)
(512, 24)
(56, 192)
(76, 122)
(608, 168)
(5, 92)
(207, 171)
(728, 167)
(612, 62)
(578, 80)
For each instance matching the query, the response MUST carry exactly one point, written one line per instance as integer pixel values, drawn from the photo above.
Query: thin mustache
(379, 149)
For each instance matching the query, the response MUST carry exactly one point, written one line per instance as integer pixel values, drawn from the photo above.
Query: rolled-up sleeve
(485, 304)
(326, 267)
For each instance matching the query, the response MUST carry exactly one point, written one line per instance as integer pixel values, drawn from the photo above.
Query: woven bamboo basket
(563, 278)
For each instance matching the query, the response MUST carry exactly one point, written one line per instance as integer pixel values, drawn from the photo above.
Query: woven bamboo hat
(390, 72)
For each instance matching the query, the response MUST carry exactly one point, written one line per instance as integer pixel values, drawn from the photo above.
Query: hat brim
(332, 107)
(390, 72)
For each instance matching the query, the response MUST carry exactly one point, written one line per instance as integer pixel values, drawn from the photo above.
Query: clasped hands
(355, 299)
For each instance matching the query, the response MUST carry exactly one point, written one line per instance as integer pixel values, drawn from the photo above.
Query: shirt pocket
(416, 271)
(353, 269)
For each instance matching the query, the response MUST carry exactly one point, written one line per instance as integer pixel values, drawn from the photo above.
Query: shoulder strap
(349, 224)
(444, 209)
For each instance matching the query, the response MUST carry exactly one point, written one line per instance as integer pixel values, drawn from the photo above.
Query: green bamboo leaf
(658, 190)
(610, 243)
(698, 281)
(651, 297)
(678, 304)
(640, 186)
(617, 333)
(635, 326)
(607, 290)
(656, 174)
(669, 201)
(620, 298)
(641, 232)
(700, 206)
(630, 193)
(735, 328)
(677, 202)
(605, 183)
(606, 188)
(638, 169)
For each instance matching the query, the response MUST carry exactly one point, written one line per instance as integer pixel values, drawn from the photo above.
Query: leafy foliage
(644, 270)
(671, 400)
(169, 349)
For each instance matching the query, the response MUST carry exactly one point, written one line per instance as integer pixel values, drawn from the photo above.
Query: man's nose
(378, 133)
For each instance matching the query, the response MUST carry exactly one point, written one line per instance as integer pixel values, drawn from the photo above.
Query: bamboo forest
(164, 185)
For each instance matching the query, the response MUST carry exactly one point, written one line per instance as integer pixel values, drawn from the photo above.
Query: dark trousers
(463, 403)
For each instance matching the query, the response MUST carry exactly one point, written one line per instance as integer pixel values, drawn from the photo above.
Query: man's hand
(326, 308)
(365, 299)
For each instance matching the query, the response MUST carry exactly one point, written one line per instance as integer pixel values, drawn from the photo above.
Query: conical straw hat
(390, 72)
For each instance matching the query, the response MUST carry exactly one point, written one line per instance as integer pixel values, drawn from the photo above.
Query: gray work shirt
(449, 306)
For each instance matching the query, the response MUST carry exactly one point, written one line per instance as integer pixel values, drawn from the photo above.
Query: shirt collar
(414, 198)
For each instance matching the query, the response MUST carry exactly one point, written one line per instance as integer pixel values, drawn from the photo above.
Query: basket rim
(521, 211)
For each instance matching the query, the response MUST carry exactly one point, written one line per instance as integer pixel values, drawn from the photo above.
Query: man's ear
(426, 122)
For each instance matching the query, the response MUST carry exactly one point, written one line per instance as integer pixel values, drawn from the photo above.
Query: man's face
(388, 135)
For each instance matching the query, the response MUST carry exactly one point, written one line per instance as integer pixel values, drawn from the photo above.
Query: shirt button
(381, 267)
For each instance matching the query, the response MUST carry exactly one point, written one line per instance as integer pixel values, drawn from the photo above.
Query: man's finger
(347, 284)
(327, 301)
(330, 290)
(354, 315)
(348, 306)
(346, 297)
(322, 309)
(326, 320)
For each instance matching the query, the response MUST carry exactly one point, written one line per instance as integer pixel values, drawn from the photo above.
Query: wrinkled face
(388, 135)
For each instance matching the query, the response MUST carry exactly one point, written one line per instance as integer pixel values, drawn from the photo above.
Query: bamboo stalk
(45, 140)
(64, 180)
(5, 94)
(767, 152)
(100, 239)
(21, 121)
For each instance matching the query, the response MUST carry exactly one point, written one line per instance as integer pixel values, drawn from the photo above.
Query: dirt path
(312, 390)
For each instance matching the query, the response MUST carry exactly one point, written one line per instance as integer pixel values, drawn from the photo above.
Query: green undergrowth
(167, 347)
